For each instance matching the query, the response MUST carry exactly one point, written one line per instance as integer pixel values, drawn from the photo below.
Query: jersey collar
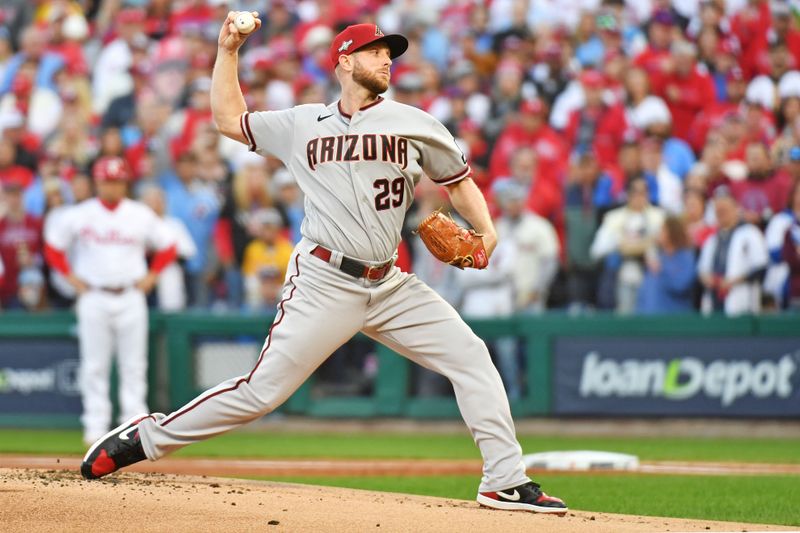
(377, 101)
(111, 206)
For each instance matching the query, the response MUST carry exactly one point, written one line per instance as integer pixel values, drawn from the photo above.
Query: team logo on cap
(345, 45)
(114, 166)
(378, 31)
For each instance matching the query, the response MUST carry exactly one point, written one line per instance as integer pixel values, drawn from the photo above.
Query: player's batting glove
(452, 244)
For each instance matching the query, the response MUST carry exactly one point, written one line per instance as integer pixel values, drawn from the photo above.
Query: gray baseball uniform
(358, 174)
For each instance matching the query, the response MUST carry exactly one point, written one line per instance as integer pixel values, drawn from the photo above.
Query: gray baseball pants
(321, 309)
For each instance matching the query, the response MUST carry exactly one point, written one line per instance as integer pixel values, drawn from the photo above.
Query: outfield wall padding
(38, 354)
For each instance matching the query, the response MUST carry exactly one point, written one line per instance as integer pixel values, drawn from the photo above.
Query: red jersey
(759, 195)
(18, 239)
(652, 60)
(610, 125)
(547, 200)
(695, 91)
(711, 117)
(548, 145)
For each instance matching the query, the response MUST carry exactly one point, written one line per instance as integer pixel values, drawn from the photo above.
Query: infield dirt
(59, 500)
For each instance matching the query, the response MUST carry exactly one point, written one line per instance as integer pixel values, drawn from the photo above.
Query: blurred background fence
(559, 366)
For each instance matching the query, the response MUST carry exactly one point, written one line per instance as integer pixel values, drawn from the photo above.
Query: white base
(581, 460)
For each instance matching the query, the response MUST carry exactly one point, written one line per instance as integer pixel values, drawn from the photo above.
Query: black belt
(353, 267)
(112, 290)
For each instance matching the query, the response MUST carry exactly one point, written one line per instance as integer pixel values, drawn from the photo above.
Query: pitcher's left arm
(468, 200)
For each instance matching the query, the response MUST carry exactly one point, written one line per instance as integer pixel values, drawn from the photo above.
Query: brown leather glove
(452, 244)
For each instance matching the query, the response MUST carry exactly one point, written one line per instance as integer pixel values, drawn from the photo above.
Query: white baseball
(245, 22)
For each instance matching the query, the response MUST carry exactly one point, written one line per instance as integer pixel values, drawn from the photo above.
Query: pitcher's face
(371, 67)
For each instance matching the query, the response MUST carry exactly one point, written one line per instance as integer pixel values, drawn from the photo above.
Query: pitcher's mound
(55, 500)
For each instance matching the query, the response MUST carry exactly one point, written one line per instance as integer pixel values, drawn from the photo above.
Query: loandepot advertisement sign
(666, 376)
(39, 377)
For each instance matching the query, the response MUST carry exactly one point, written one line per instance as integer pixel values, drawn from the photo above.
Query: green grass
(379, 446)
(764, 500)
(755, 499)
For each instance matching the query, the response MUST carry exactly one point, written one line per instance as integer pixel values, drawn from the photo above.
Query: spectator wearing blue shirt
(317, 59)
(653, 118)
(196, 205)
(670, 275)
(607, 39)
(290, 201)
(435, 46)
(480, 37)
(33, 47)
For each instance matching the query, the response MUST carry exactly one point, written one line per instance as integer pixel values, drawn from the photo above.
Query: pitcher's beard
(369, 81)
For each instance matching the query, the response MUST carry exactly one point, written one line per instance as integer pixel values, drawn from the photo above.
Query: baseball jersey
(357, 172)
(20, 243)
(107, 246)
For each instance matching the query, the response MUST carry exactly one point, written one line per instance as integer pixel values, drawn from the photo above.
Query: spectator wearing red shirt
(70, 30)
(759, 123)
(9, 169)
(193, 12)
(477, 152)
(784, 28)
(193, 117)
(20, 243)
(687, 89)
(158, 19)
(713, 114)
(544, 195)
(751, 25)
(596, 127)
(660, 35)
(530, 129)
(765, 191)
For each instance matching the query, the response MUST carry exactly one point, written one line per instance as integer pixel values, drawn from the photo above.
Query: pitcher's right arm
(227, 100)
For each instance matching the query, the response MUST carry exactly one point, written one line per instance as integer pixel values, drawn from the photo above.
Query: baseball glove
(452, 244)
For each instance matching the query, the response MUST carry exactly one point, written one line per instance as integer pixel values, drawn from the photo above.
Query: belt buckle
(380, 270)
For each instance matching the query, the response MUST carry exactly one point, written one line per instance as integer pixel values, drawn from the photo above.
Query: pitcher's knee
(478, 351)
(257, 405)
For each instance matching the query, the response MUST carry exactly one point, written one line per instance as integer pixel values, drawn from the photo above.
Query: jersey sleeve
(442, 159)
(269, 132)
(159, 236)
(60, 234)
(186, 246)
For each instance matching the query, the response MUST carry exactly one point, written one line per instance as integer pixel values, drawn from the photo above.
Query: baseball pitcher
(357, 161)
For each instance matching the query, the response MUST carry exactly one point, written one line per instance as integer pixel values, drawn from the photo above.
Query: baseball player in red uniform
(107, 238)
(357, 161)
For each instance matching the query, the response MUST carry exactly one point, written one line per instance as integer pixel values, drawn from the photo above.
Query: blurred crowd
(641, 156)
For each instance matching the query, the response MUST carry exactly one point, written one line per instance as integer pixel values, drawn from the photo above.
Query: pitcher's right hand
(229, 37)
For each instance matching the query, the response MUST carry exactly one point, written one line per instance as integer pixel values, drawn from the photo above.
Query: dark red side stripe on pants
(260, 357)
